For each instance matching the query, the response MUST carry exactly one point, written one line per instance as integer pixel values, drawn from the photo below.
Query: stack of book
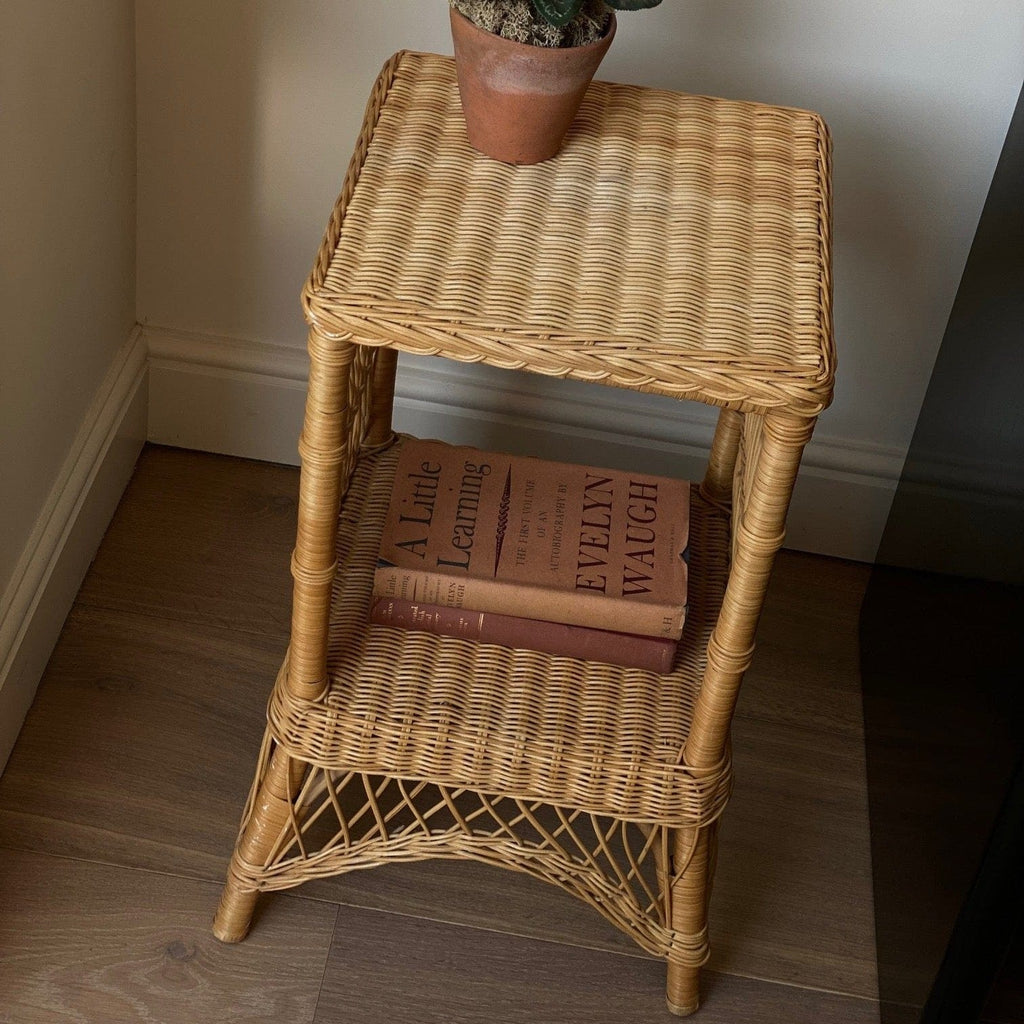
(571, 560)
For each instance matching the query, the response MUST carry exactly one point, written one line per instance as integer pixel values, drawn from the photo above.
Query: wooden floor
(119, 807)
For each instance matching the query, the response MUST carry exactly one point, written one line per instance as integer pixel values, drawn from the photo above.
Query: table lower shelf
(534, 726)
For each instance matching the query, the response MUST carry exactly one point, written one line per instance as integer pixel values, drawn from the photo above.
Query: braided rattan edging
(322, 261)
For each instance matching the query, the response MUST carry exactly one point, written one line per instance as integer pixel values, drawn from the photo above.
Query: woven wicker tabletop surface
(678, 244)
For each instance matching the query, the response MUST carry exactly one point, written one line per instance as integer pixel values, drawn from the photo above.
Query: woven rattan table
(678, 244)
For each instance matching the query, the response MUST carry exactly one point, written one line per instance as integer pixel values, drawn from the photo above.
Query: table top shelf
(678, 244)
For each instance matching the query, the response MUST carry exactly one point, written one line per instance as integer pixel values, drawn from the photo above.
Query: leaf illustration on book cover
(502, 526)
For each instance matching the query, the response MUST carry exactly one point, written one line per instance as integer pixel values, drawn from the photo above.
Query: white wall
(67, 312)
(248, 110)
(67, 234)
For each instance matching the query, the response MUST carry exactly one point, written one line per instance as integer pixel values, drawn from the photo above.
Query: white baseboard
(246, 399)
(67, 533)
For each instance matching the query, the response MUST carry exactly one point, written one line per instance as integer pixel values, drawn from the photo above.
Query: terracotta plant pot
(519, 100)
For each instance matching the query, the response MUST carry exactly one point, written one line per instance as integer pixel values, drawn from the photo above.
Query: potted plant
(523, 68)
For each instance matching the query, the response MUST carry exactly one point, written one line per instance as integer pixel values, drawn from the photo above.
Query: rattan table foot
(234, 914)
(682, 1011)
(270, 809)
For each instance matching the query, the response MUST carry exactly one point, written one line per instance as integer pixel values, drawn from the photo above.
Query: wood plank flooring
(91, 942)
(119, 807)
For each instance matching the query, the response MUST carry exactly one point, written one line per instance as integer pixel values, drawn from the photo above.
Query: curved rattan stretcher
(386, 744)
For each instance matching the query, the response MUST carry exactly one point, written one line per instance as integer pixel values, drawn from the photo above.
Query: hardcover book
(536, 539)
(652, 653)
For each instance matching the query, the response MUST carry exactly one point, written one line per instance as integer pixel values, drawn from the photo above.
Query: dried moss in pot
(554, 23)
(520, 21)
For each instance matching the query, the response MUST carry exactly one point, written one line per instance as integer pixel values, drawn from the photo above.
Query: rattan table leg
(690, 893)
(379, 431)
(326, 445)
(334, 421)
(759, 530)
(717, 485)
(758, 533)
(270, 811)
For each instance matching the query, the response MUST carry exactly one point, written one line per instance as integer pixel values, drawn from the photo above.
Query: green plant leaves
(558, 12)
(561, 12)
(631, 5)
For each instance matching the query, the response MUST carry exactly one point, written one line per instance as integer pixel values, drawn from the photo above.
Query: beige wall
(67, 235)
(248, 110)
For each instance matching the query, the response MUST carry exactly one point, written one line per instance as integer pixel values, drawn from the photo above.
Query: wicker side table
(678, 245)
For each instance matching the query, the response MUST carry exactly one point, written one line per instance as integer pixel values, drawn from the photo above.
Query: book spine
(650, 653)
(530, 601)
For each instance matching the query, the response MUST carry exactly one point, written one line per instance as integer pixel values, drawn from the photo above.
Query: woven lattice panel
(529, 725)
(346, 821)
(677, 244)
